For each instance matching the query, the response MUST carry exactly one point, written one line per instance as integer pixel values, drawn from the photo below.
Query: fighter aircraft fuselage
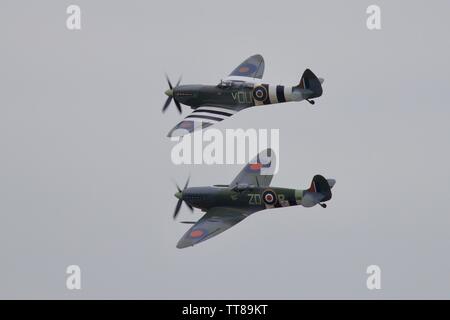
(234, 94)
(243, 88)
(249, 192)
(255, 197)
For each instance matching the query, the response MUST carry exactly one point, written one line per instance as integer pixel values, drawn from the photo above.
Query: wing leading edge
(215, 221)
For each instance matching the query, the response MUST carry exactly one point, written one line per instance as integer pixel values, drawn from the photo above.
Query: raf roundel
(255, 166)
(197, 233)
(260, 93)
(269, 197)
(244, 69)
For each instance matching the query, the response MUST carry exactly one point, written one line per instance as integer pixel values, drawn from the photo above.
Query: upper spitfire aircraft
(240, 90)
(249, 192)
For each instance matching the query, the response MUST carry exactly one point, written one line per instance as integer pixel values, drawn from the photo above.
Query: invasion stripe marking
(214, 112)
(280, 94)
(273, 94)
(288, 93)
(204, 117)
(201, 113)
(216, 108)
(267, 100)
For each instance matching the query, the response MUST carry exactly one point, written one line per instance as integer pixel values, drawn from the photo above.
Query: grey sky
(85, 171)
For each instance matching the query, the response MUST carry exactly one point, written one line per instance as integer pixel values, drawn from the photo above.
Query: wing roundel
(214, 222)
(259, 171)
(251, 68)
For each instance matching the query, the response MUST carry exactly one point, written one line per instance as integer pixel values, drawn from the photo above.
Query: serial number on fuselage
(256, 199)
(242, 96)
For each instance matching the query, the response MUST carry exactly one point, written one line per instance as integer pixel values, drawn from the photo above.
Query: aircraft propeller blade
(179, 80)
(177, 208)
(170, 96)
(180, 201)
(166, 104)
(168, 82)
(178, 106)
(187, 183)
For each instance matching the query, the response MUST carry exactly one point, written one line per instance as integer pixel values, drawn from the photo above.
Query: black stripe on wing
(222, 113)
(204, 117)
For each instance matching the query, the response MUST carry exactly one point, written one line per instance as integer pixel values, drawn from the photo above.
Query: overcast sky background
(85, 170)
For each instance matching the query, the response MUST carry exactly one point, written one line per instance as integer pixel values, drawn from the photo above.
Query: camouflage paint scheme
(249, 192)
(240, 90)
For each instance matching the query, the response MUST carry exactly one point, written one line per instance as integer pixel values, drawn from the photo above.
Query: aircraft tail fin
(322, 186)
(310, 85)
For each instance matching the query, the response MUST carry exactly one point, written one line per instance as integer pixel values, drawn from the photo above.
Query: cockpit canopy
(225, 84)
(234, 83)
(242, 187)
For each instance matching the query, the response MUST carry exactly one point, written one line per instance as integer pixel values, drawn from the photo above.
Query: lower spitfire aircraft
(240, 90)
(249, 192)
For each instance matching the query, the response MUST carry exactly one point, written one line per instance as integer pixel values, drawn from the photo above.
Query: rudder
(310, 82)
(320, 185)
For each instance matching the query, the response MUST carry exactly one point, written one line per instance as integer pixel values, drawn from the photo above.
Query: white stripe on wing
(204, 108)
(209, 114)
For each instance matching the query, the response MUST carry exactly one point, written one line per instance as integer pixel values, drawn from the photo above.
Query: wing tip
(183, 246)
(267, 153)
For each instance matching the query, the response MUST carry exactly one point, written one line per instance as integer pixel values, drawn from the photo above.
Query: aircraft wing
(259, 171)
(215, 221)
(201, 118)
(249, 70)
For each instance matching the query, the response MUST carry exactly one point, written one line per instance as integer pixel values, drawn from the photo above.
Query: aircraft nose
(178, 195)
(169, 92)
